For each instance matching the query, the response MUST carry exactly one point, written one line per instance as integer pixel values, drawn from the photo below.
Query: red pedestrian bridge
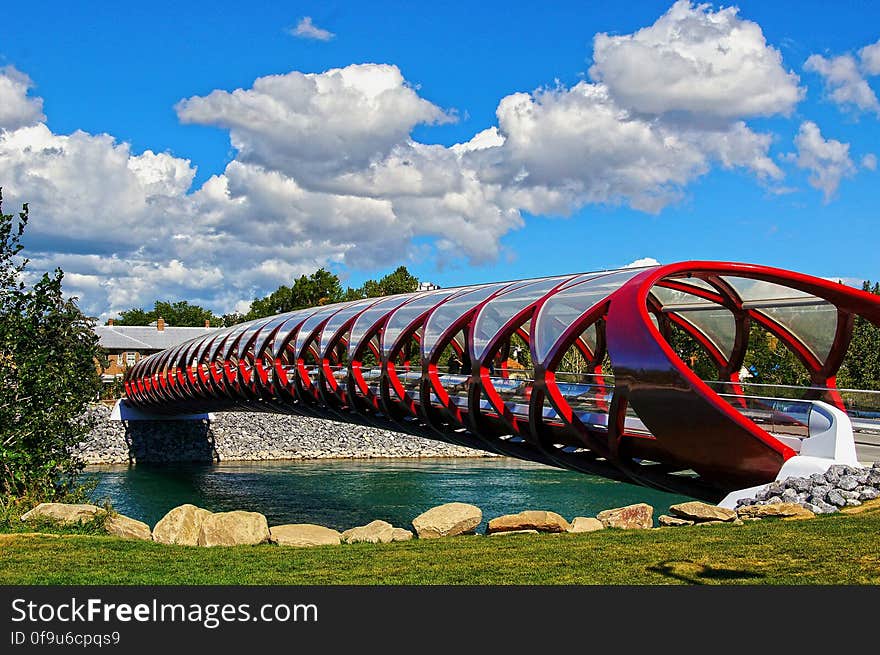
(575, 371)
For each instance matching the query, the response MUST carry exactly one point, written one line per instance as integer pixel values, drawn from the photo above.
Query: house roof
(137, 337)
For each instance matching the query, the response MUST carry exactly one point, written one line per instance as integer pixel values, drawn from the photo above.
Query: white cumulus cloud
(644, 261)
(827, 160)
(870, 56)
(567, 147)
(843, 81)
(711, 64)
(17, 108)
(314, 125)
(869, 161)
(306, 29)
(90, 188)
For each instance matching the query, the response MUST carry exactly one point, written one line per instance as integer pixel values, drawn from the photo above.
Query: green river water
(344, 493)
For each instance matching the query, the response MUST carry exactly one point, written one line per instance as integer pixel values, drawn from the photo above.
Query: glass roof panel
(369, 316)
(237, 331)
(218, 343)
(697, 282)
(171, 356)
(255, 327)
(266, 332)
(452, 310)
(814, 325)
(459, 338)
(583, 277)
(313, 321)
(406, 314)
(809, 318)
(759, 291)
(339, 319)
(203, 348)
(219, 347)
(589, 275)
(289, 327)
(162, 357)
(675, 298)
(717, 325)
(505, 306)
(566, 306)
(194, 348)
(588, 337)
(714, 321)
(182, 355)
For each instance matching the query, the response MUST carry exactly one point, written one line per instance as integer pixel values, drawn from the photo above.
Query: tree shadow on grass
(695, 573)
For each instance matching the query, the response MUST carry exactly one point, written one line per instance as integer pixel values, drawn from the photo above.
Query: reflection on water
(345, 493)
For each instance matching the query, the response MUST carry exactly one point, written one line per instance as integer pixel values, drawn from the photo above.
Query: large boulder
(836, 497)
(401, 534)
(125, 527)
(584, 524)
(63, 513)
(631, 517)
(868, 493)
(672, 521)
(780, 510)
(800, 485)
(374, 532)
(447, 520)
(539, 520)
(181, 526)
(304, 534)
(236, 528)
(848, 482)
(698, 512)
(507, 532)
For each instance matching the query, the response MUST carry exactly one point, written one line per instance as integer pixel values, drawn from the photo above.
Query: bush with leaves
(47, 375)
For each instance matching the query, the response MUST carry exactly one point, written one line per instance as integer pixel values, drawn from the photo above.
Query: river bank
(757, 552)
(244, 436)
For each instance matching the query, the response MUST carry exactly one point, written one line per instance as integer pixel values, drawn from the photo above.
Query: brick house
(126, 344)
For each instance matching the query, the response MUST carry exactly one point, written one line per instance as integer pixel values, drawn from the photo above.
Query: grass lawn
(826, 550)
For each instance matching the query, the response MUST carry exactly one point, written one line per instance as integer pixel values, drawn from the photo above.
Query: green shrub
(48, 375)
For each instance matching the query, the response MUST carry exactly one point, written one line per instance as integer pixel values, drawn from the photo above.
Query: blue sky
(122, 70)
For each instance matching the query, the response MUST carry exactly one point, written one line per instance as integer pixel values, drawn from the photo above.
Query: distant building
(126, 344)
(427, 286)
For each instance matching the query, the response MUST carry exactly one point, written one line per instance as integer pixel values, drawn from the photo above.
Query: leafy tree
(135, 317)
(323, 287)
(233, 318)
(861, 367)
(692, 353)
(770, 361)
(179, 314)
(398, 281)
(319, 288)
(48, 375)
(767, 359)
(182, 314)
(353, 294)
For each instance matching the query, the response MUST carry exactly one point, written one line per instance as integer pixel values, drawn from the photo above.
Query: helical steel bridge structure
(575, 371)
